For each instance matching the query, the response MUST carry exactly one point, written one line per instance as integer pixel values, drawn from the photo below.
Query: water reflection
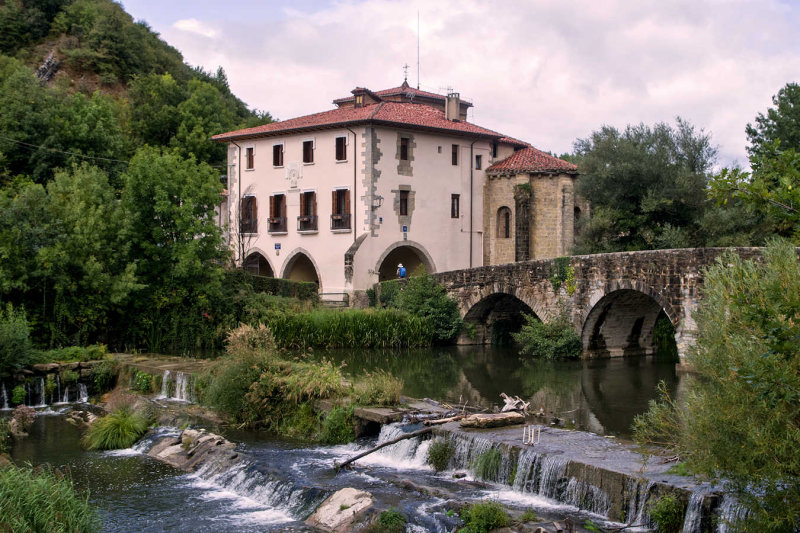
(600, 395)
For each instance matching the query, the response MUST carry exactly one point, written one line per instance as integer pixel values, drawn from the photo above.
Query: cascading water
(729, 513)
(182, 390)
(41, 391)
(4, 396)
(694, 512)
(637, 504)
(588, 497)
(164, 385)
(83, 393)
(65, 398)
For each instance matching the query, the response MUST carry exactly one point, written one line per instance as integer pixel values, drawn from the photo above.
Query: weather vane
(405, 73)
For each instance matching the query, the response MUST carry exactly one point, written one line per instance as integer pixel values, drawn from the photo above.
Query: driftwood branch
(443, 420)
(382, 445)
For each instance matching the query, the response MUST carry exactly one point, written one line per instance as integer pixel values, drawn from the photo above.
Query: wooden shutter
(253, 215)
(333, 203)
(272, 206)
(283, 205)
(346, 202)
(313, 204)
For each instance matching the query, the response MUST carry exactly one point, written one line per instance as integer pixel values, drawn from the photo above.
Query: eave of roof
(531, 160)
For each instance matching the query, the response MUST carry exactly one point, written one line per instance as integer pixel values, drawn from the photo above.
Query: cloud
(196, 27)
(546, 71)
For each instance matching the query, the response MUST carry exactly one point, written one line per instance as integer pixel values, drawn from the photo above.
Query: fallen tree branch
(443, 420)
(411, 435)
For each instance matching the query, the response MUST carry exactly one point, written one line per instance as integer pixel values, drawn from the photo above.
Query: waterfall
(65, 398)
(182, 390)
(694, 512)
(730, 512)
(164, 386)
(586, 496)
(42, 399)
(4, 396)
(638, 492)
(83, 393)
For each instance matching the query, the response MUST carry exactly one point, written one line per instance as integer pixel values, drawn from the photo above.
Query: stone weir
(594, 473)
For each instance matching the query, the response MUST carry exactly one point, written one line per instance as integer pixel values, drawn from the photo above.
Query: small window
(503, 223)
(277, 155)
(404, 148)
(341, 148)
(340, 209)
(277, 213)
(455, 154)
(249, 157)
(249, 215)
(439, 149)
(403, 203)
(494, 150)
(359, 100)
(478, 162)
(308, 151)
(455, 200)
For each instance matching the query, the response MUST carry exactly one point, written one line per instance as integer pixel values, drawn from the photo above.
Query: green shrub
(69, 376)
(302, 290)
(372, 297)
(528, 516)
(18, 395)
(377, 388)
(119, 429)
(487, 465)
(667, 514)
(389, 291)
(24, 416)
(142, 382)
(664, 340)
(43, 500)
(15, 342)
(439, 454)
(556, 339)
(484, 517)
(104, 375)
(423, 297)
(337, 428)
(71, 354)
(391, 521)
(5, 436)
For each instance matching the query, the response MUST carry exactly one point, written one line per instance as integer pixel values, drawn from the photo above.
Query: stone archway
(411, 254)
(622, 323)
(300, 266)
(257, 264)
(496, 316)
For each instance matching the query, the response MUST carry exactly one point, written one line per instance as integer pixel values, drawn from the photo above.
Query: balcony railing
(307, 223)
(340, 221)
(277, 224)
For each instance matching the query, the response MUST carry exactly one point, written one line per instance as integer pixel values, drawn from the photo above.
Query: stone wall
(617, 297)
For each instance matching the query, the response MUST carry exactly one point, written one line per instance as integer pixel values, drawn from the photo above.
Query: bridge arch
(411, 254)
(496, 316)
(621, 320)
(300, 266)
(256, 262)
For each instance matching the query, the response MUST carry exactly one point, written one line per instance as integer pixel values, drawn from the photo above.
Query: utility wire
(40, 147)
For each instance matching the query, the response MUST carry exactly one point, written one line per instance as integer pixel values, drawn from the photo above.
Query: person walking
(401, 271)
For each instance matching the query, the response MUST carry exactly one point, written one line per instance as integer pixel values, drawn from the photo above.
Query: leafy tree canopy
(646, 186)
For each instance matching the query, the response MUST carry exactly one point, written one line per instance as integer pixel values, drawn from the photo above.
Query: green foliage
(337, 428)
(15, 343)
(439, 454)
(352, 328)
(664, 340)
(71, 354)
(390, 521)
(5, 436)
(487, 465)
(563, 273)
(679, 469)
(24, 416)
(781, 123)
(528, 516)
(18, 395)
(286, 288)
(667, 513)
(389, 291)
(377, 388)
(747, 359)
(69, 376)
(423, 297)
(142, 382)
(119, 429)
(43, 499)
(646, 186)
(556, 339)
(104, 375)
(484, 517)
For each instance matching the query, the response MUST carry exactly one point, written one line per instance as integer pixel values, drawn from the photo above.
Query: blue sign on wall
(405, 229)
(277, 246)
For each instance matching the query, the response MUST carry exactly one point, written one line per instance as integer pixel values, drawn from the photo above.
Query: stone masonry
(616, 300)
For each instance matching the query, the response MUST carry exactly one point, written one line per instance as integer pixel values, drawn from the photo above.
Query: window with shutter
(250, 159)
(455, 155)
(277, 213)
(455, 200)
(307, 221)
(249, 215)
(340, 209)
(308, 151)
(341, 148)
(403, 203)
(404, 148)
(277, 155)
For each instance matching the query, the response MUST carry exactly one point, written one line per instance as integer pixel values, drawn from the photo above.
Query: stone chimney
(453, 106)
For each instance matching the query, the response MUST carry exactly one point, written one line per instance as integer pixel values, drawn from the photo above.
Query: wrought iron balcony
(307, 223)
(340, 221)
(277, 224)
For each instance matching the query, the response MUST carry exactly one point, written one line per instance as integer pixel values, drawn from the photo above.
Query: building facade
(387, 177)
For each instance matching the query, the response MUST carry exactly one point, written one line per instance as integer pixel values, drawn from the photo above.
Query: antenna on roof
(417, 48)
(405, 73)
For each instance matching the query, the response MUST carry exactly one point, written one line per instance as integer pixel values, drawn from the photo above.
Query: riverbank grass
(43, 500)
(484, 517)
(117, 430)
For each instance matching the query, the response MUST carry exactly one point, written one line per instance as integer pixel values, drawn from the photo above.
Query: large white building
(394, 176)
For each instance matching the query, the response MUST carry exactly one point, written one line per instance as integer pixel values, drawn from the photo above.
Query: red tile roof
(531, 160)
(405, 89)
(512, 141)
(416, 116)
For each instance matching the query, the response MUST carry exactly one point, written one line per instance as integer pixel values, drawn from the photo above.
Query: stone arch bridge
(616, 301)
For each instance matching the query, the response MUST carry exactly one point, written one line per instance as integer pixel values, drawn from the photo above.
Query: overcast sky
(547, 71)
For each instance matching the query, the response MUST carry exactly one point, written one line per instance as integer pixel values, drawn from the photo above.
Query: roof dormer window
(359, 100)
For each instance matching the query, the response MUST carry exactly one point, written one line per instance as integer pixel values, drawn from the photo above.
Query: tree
(423, 297)
(646, 186)
(781, 123)
(202, 115)
(747, 358)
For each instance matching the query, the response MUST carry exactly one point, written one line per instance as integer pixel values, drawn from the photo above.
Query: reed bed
(36, 499)
(355, 328)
